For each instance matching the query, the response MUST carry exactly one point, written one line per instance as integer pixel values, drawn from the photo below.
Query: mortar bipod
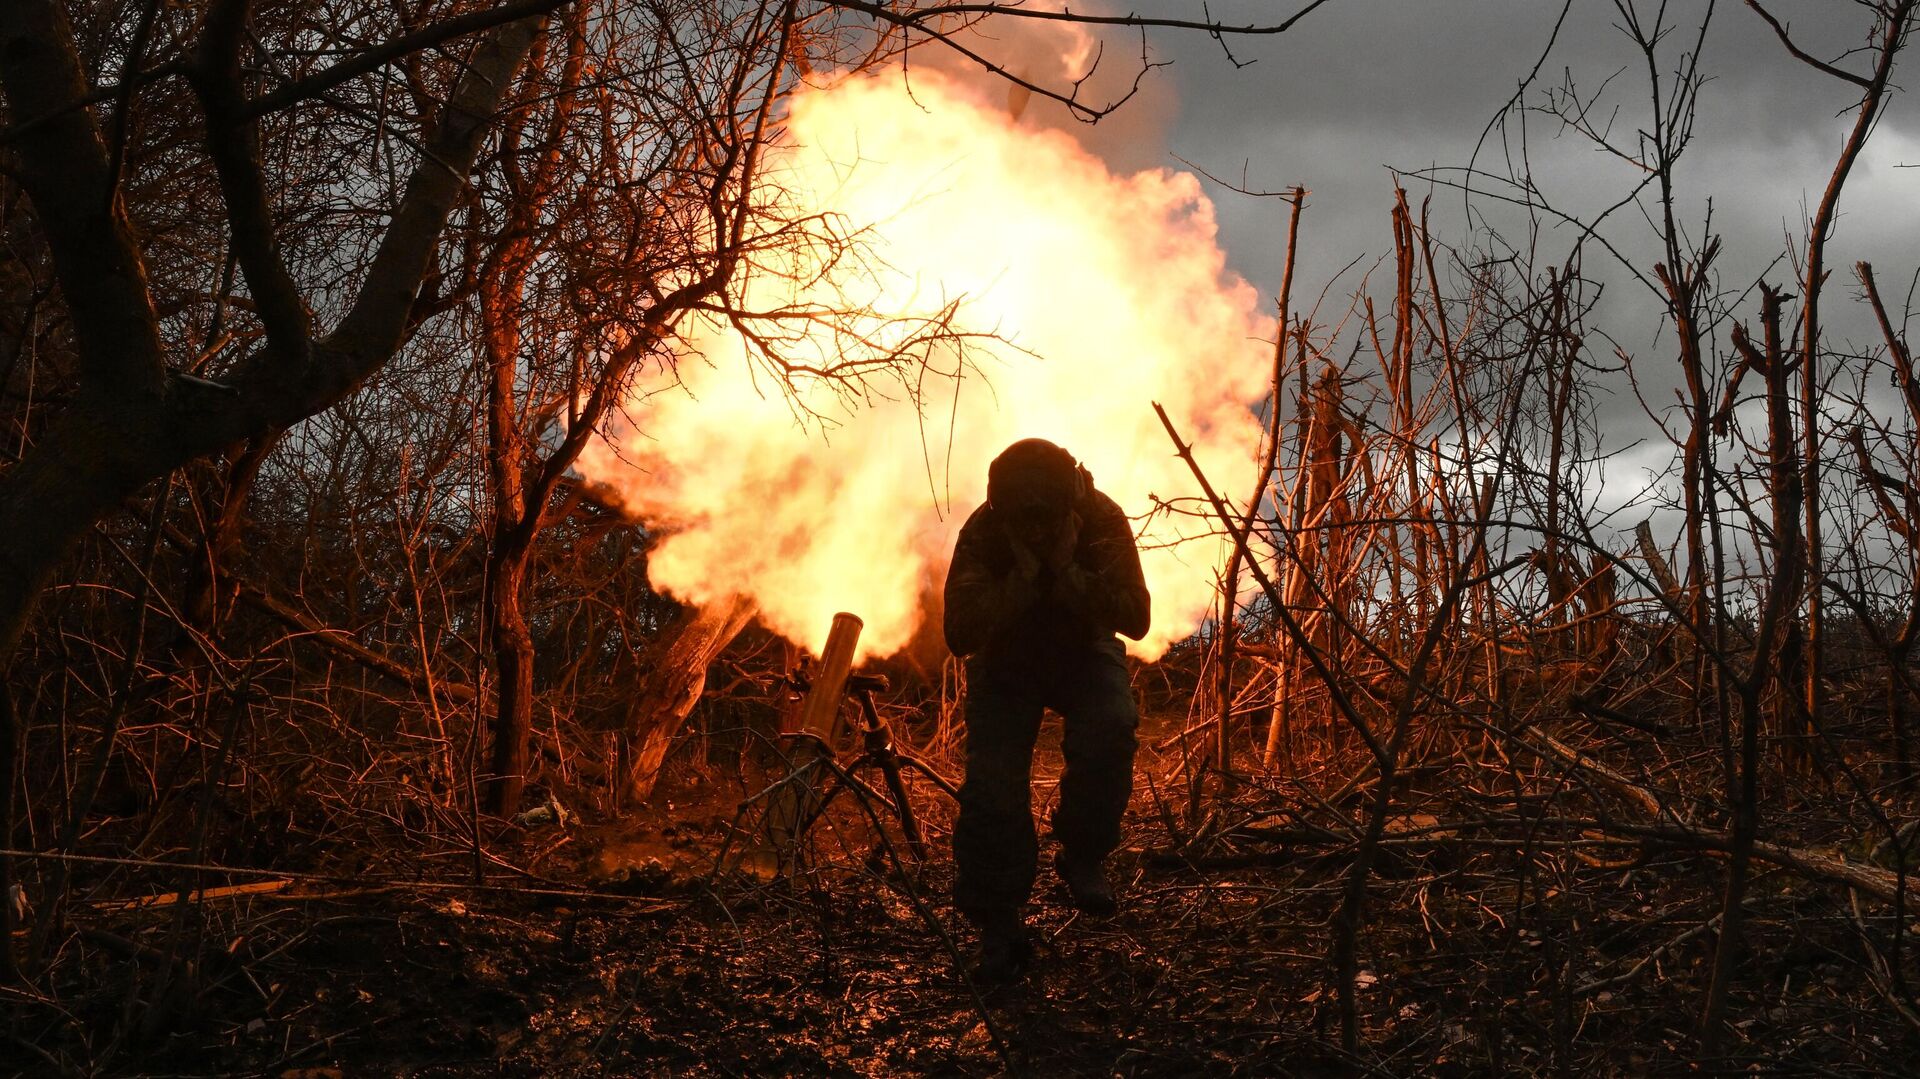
(877, 750)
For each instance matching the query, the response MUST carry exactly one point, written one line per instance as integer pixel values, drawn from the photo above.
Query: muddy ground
(613, 947)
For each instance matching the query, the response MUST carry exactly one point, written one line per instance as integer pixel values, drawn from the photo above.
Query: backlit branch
(926, 20)
(379, 56)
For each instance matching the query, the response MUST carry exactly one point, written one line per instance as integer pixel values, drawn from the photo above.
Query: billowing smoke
(1089, 295)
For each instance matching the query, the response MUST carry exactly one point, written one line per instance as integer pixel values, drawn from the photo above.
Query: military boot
(1005, 951)
(1086, 882)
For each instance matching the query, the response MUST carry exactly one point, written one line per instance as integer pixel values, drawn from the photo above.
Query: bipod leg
(853, 782)
(932, 776)
(791, 806)
(894, 801)
(897, 785)
(795, 803)
(837, 783)
(844, 780)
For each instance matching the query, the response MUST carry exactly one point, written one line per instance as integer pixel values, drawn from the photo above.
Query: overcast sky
(1361, 87)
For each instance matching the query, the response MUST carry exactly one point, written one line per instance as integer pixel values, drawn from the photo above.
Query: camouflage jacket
(994, 608)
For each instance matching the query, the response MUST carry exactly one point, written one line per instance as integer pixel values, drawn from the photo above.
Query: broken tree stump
(673, 675)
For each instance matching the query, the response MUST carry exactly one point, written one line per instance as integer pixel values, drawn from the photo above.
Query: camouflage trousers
(995, 848)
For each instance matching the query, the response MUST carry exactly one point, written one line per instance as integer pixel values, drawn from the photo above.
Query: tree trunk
(1786, 579)
(132, 420)
(518, 486)
(673, 675)
(209, 592)
(513, 669)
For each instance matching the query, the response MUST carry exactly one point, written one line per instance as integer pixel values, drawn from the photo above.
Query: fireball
(1021, 288)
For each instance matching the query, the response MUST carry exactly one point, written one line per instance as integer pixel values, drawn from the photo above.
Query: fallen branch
(167, 899)
(1607, 777)
(341, 642)
(1879, 883)
(1599, 984)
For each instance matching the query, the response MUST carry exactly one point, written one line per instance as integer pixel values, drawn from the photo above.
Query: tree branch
(373, 327)
(233, 143)
(344, 643)
(372, 59)
(63, 165)
(919, 18)
(1781, 32)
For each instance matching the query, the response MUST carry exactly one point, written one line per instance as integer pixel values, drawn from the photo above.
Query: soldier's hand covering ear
(1026, 563)
(1066, 540)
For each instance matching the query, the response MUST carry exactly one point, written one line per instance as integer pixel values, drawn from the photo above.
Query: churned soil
(626, 947)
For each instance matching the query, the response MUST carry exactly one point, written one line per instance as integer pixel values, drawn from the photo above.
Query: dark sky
(1364, 86)
(1361, 86)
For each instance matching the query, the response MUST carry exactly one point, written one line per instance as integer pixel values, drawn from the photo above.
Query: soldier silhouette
(1043, 575)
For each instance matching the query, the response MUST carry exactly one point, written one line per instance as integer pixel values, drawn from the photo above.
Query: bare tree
(226, 221)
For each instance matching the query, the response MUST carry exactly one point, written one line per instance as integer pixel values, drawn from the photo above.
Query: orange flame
(1104, 292)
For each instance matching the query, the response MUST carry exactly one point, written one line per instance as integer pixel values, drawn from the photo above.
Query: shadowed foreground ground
(1215, 966)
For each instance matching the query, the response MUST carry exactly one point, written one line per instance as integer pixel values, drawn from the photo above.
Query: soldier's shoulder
(978, 523)
(979, 517)
(1102, 507)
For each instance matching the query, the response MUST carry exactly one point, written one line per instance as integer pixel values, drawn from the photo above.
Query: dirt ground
(617, 949)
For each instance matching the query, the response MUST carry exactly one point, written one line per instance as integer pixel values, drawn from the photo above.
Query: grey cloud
(1361, 85)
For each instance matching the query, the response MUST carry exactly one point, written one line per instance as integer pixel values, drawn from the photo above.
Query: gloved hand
(1026, 564)
(1065, 542)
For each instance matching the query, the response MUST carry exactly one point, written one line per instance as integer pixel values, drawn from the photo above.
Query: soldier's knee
(1104, 743)
(993, 801)
(996, 785)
